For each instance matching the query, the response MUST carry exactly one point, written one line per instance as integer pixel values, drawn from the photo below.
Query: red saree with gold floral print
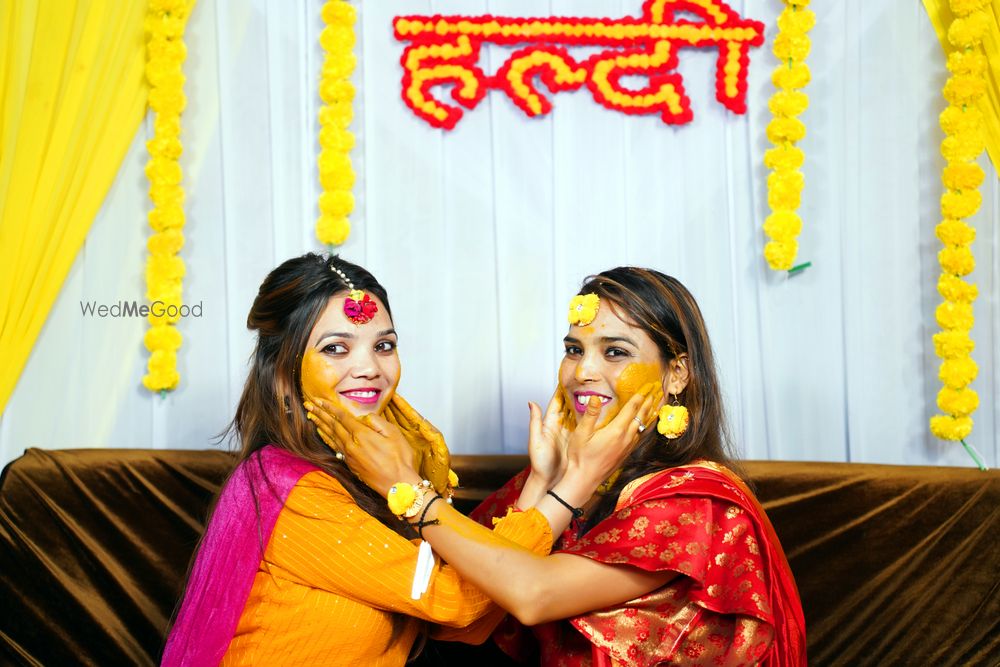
(733, 600)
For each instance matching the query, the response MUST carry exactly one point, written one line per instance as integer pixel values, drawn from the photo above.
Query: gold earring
(673, 420)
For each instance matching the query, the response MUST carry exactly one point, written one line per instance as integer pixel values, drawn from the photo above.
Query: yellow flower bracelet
(405, 500)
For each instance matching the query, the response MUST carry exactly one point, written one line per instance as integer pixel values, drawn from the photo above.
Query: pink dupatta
(229, 556)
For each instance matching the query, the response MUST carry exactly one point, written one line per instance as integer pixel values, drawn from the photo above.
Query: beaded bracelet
(576, 511)
(421, 523)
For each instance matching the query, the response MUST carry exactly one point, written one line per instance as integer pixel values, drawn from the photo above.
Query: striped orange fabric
(332, 577)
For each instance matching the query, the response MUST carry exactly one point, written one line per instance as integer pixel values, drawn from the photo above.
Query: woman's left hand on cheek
(599, 451)
(374, 450)
(429, 446)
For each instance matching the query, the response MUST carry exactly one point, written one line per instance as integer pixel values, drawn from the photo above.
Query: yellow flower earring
(673, 420)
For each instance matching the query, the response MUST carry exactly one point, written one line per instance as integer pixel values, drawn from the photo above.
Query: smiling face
(356, 364)
(608, 358)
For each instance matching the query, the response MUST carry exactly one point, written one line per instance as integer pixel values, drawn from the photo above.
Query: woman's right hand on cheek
(547, 441)
(374, 450)
(592, 453)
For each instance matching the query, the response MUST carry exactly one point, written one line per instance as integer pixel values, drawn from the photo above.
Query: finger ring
(642, 427)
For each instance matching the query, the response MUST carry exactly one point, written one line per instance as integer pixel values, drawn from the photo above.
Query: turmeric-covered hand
(593, 453)
(374, 449)
(427, 442)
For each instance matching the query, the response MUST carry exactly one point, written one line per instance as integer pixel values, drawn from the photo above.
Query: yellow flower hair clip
(583, 309)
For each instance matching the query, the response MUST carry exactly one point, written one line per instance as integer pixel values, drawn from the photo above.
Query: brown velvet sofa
(896, 565)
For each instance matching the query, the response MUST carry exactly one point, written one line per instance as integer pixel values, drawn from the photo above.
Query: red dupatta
(229, 556)
(736, 602)
(701, 521)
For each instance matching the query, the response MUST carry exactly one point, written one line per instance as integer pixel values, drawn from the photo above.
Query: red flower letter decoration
(444, 49)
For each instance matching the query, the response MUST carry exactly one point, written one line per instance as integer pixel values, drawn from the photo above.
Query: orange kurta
(332, 576)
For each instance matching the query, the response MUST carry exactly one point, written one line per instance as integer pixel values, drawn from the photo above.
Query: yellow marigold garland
(165, 54)
(336, 175)
(965, 140)
(785, 182)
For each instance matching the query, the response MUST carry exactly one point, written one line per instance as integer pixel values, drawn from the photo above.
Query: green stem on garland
(799, 268)
(975, 455)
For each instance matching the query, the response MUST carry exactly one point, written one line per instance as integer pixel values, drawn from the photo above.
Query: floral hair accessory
(583, 309)
(358, 306)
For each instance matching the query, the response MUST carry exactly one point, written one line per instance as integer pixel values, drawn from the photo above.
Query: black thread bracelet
(576, 511)
(433, 522)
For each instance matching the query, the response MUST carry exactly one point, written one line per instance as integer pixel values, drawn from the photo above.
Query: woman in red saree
(673, 561)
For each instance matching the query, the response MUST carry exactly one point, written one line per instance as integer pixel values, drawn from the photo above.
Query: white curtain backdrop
(481, 236)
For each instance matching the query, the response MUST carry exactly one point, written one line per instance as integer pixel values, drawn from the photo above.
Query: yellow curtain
(72, 95)
(941, 15)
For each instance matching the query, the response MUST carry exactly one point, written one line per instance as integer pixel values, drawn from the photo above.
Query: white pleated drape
(482, 235)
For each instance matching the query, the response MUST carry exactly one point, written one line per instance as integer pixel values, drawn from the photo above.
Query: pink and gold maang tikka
(359, 308)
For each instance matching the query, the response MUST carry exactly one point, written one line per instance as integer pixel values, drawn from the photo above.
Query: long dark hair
(288, 304)
(663, 308)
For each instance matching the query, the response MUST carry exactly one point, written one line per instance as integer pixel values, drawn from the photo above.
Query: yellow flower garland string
(165, 54)
(962, 122)
(336, 175)
(785, 182)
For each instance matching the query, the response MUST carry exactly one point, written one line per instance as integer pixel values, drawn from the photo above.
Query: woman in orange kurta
(673, 561)
(300, 562)
(333, 579)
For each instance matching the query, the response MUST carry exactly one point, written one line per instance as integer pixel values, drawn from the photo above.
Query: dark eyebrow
(604, 339)
(618, 339)
(350, 336)
(334, 334)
